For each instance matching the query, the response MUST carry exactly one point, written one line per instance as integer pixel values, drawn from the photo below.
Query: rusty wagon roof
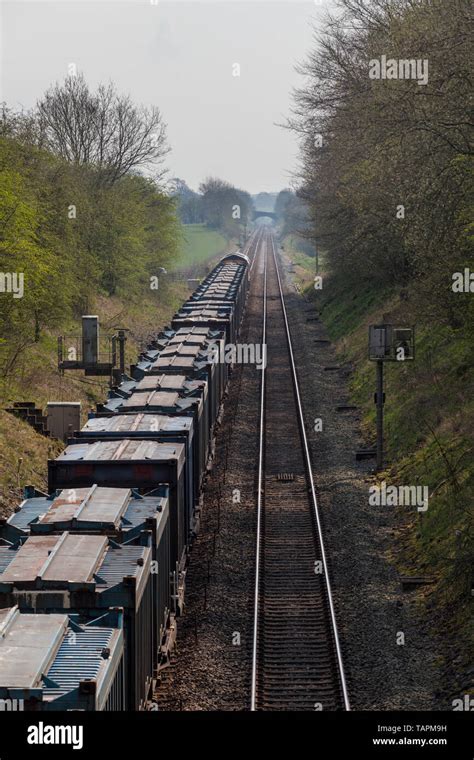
(121, 450)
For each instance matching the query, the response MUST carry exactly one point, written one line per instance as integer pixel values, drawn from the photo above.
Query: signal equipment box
(63, 418)
(391, 343)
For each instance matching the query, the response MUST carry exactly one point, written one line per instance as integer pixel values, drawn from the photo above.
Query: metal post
(114, 374)
(60, 353)
(121, 339)
(90, 340)
(380, 401)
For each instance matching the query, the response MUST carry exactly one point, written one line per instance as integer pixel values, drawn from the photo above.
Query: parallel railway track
(296, 656)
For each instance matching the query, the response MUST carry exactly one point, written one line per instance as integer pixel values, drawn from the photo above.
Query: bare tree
(218, 201)
(102, 129)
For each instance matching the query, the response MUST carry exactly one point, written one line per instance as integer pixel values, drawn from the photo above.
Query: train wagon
(212, 344)
(195, 367)
(215, 317)
(220, 298)
(234, 269)
(197, 336)
(128, 385)
(196, 361)
(155, 427)
(129, 463)
(102, 555)
(119, 513)
(230, 278)
(169, 403)
(90, 575)
(50, 662)
(238, 257)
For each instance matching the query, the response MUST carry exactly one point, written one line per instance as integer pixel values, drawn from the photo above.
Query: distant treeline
(385, 124)
(218, 204)
(294, 220)
(76, 217)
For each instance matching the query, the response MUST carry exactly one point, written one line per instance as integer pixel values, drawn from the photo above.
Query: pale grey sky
(178, 55)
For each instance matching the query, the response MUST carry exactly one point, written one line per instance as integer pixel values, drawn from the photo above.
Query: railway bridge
(257, 214)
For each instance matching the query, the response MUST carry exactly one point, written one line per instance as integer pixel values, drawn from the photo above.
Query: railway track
(296, 656)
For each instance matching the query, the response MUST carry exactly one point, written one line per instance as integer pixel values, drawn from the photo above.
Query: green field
(199, 244)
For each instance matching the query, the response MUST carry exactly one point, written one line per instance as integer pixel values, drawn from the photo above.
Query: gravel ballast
(390, 658)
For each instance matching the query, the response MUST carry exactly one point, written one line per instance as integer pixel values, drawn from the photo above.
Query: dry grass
(23, 452)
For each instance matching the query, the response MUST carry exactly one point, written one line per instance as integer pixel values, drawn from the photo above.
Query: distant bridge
(256, 214)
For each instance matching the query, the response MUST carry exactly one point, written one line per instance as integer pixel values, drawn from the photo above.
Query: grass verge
(429, 418)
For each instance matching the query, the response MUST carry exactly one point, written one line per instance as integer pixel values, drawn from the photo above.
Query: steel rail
(255, 241)
(253, 697)
(314, 499)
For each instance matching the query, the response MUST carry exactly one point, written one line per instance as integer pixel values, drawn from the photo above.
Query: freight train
(92, 573)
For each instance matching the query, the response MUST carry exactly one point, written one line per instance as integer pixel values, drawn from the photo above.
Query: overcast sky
(179, 56)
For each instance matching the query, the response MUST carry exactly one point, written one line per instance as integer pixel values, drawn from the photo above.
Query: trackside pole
(379, 397)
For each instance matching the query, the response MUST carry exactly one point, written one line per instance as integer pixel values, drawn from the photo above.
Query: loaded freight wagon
(169, 403)
(90, 575)
(154, 427)
(119, 513)
(148, 385)
(228, 281)
(102, 557)
(129, 463)
(219, 300)
(219, 318)
(51, 662)
(128, 385)
(193, 360)
(212, 345)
